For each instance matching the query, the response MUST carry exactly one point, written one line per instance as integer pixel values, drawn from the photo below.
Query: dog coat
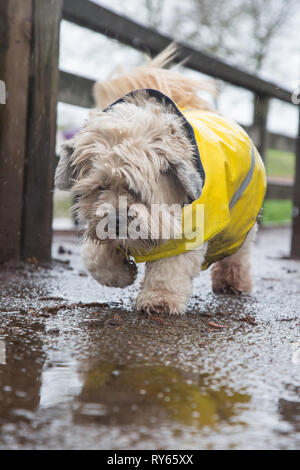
(234, 186)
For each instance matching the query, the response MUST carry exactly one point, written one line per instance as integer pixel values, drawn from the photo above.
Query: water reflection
(143, 394)
(289, 409)
(2, 352)
(21, 364)
(60, 382)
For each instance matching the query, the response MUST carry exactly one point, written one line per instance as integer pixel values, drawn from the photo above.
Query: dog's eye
(131, 192)
(100, 188)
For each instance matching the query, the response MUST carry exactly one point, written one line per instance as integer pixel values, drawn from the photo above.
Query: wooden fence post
(295, 247)
(41, 128)
(15, 36)
(260, 116)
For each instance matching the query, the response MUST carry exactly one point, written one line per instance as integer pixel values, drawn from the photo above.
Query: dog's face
(123, 163)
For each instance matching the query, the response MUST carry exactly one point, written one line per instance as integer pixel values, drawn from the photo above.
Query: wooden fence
(29, 45)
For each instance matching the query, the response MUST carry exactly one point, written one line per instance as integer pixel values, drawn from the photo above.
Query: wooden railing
(77, 90)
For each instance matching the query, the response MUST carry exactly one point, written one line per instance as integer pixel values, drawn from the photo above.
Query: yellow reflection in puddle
(163, 387)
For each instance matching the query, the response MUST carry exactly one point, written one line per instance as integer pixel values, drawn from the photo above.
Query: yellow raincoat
(232, 194)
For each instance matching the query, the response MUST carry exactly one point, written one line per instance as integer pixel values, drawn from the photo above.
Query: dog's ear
(188, 177)
(64, 172)
(180, 158)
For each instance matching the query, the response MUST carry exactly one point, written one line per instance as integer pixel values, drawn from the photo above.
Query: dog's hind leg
(108, 265)
(232, 275)
(167, 286)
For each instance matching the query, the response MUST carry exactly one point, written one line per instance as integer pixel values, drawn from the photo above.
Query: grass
(280, 164)
(62, 205)
(277, 211)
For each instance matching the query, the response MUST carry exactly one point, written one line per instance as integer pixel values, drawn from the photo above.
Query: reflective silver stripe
(245, 182)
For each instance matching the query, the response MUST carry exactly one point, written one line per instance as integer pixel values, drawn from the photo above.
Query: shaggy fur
(138, 149)
(183, 90)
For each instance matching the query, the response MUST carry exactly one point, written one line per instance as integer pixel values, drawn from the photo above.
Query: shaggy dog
(138, 151)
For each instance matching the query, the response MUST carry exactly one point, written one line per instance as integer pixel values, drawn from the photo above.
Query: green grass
(280, 164)
(62, 206)
(277, 211)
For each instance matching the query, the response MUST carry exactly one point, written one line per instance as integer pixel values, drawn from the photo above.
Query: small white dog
(162, 146)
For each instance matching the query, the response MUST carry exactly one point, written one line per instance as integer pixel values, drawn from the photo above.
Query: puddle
(129, 395)
(59, 384)
(2, 351)
(81, 369)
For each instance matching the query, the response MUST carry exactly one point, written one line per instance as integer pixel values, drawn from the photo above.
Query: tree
(268, 20)
(241, 31)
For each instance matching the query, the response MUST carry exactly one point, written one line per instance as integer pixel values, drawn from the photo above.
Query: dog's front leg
(107, 265)
(167, 286)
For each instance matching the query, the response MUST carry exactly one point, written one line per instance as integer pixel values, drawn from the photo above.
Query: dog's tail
(180, 88)
(164, 58)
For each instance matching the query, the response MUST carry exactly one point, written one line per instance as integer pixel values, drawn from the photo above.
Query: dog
(154, 142)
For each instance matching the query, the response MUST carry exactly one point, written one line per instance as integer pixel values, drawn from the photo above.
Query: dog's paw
(230, 278)
(155, 301)
(226, 289)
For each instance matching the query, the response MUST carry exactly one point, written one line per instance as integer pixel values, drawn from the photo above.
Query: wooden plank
(275, 140)
(259, 126)
(295, 245)
(281, 142)
(279, 190)
(15, 32)
(97, 18)
(43, 92)
(75, 90)
(78, 91)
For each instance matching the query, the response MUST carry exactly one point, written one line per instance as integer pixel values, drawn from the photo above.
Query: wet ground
(80, 369)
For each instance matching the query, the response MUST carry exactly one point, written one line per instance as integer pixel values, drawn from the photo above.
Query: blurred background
(259, 36)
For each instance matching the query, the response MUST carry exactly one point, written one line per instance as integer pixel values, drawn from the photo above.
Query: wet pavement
(81, 369)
